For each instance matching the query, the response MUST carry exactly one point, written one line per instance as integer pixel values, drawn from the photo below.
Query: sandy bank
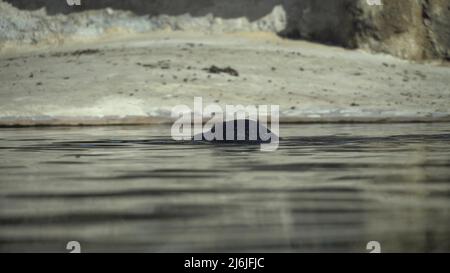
(137, 79)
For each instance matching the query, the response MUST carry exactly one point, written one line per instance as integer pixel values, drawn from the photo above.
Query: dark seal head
(238, 131)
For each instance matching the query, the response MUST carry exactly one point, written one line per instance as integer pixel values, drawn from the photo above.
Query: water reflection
(327, 188)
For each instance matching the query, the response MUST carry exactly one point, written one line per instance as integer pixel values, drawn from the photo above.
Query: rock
(217, 70)
(30, 22)
(437, 22)
(414, 30)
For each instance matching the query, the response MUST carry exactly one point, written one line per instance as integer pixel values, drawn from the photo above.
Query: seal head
(243, 131)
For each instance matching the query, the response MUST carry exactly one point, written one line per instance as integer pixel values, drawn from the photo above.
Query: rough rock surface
(410, 29)
(438, 24)
(31, 27)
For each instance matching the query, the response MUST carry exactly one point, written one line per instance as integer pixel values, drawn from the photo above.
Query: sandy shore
(137, 79)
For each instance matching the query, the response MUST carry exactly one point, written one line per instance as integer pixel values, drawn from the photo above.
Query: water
(327, 188)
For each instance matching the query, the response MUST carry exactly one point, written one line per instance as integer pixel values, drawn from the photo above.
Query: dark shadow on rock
(325, 21)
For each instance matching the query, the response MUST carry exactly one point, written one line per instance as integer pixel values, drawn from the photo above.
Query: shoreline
(151, 121)
(137, 80)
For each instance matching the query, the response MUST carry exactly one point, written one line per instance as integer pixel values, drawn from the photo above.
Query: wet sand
(137, 79)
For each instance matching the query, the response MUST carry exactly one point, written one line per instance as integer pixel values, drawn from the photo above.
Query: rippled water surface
(327, 188)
